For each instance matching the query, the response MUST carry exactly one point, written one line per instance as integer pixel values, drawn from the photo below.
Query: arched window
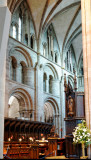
(50, 83)
(14, 32)
(26, 39)
(19, 33)
(44, 82)
(31, 42)
(56, 58)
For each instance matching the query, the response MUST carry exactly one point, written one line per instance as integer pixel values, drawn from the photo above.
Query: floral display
(82, 134)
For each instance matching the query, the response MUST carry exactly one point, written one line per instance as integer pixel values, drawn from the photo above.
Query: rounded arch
(23, 63)
(24, 53)
(54, 104)
(54, 71)
(51, 111)
(44, 76)
(48, 112)
(23, 97)
(14, 62)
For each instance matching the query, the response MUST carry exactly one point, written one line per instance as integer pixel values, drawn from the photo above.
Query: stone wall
(27, 63)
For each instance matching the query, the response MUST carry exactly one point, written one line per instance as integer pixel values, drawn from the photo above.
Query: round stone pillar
(55, 87)
(47, 85)
(19, 73)
(10, 68)
(86, 37)
(29, 76)
(5, 18)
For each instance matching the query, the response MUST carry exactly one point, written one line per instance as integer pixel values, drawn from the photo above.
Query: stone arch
(54, 103)
(24, 99)
(54, 71)
(54, 109)
(52, 82)
(24, 53)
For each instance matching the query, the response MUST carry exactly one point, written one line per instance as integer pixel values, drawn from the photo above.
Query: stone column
(55, 87)
(39, 93)
(22, 28)
(29, 76)
(10, 68)
(46, 50)
(5, 17)
(49, 50)
(19, 73)
(54, 53)
(47, 85)
(86, 36)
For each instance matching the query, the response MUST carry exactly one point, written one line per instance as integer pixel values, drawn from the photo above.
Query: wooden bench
(23, 153)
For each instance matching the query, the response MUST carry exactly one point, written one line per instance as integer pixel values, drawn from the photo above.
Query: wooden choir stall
(21, 143)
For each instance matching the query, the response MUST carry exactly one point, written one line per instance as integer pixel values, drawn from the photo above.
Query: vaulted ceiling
(65, 15)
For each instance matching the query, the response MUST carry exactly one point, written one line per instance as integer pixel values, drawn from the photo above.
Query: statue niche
(69, 99)
(70, 106)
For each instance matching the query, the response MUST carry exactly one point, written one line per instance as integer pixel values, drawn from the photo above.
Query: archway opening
(13, 105)
(48, 112)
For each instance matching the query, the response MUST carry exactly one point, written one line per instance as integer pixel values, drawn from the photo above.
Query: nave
(45, 77)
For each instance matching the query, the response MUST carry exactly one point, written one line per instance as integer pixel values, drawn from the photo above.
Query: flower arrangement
(82, 134)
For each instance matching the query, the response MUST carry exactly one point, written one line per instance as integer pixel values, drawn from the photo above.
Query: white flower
(84, 129)
(77, 138)
(80, 136)
(88, 140)
(83, 133)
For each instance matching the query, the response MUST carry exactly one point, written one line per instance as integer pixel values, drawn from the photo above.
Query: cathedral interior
(44, 80)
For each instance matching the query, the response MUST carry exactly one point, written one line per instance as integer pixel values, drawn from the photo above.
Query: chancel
(45, 83)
